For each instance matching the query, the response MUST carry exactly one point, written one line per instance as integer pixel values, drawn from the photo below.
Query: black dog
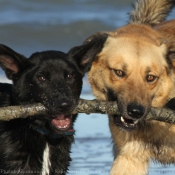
(41, 144)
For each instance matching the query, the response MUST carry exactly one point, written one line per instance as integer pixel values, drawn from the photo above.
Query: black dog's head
(52, 78)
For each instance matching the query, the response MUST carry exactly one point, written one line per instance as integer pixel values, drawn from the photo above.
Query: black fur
(5, 94)
(54, 79)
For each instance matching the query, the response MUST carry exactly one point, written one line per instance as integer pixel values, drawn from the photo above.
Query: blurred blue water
(28, 26)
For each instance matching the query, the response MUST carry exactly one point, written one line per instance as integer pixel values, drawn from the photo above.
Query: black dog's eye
(119, 73)
(41, 78)
(70, 76)
(151, 78)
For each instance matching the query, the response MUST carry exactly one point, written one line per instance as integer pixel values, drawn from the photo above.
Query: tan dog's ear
(85, 54)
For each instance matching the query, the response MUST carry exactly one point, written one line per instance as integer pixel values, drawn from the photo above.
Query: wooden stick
(84, 106)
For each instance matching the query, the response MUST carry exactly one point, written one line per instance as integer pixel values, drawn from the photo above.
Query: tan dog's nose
(135, 111)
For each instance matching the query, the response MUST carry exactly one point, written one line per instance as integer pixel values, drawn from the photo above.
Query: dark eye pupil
(151, 78)
(119, 73)
(69, 76)
(41, 78)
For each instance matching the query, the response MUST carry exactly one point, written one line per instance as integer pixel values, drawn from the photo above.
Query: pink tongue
(61, 121)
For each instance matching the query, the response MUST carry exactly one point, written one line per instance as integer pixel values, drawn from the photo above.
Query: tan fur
(138, 50)
(150, 11)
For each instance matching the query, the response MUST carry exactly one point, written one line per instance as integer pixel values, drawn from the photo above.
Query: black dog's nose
(65, 105)
(135, 111)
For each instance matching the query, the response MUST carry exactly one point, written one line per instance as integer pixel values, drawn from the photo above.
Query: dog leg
(127, 165)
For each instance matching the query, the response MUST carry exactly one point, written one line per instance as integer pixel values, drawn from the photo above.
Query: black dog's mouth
(62, 121)
(125, 123)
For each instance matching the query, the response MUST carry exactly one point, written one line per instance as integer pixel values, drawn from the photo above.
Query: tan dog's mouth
(125, 122)
(128, 122)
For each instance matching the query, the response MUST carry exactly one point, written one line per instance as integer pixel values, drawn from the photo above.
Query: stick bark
(84, 106)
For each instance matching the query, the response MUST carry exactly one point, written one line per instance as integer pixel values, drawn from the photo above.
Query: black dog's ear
(85, 54)
(10, 61)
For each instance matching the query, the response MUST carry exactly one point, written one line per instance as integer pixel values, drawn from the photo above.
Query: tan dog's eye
(151, 78)
(119, 73)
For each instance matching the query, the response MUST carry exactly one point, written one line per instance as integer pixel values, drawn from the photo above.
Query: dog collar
(46, 132)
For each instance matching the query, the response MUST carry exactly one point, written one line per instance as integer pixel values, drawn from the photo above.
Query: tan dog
(136, 69)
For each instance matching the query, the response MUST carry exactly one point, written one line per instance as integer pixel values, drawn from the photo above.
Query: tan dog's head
(133, 69)
(134, 66)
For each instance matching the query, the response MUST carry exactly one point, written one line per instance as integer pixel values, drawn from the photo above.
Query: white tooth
(122, 119)
(135, 122)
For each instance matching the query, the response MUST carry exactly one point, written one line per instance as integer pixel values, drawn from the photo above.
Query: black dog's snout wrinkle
(135, 111)
(62, 93)
(64, 105)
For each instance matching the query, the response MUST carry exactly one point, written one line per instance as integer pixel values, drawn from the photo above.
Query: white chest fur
(46, 161)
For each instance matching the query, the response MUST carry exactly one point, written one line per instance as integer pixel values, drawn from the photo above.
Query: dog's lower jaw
(125, 123)
(62, 122)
